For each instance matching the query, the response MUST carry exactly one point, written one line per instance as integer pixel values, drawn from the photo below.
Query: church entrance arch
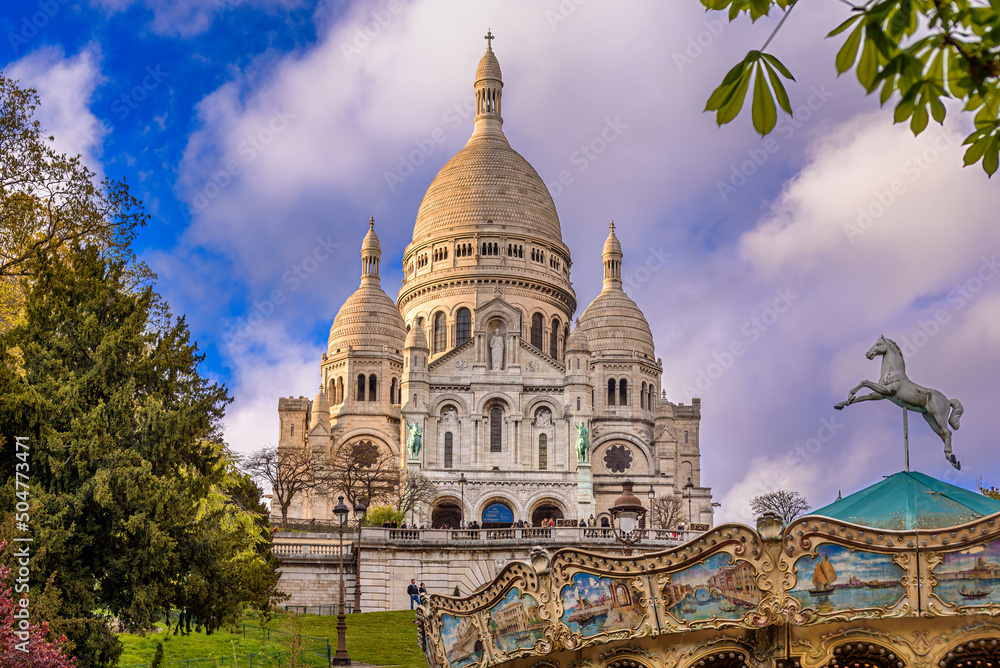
(446, 515)
(497, 515)
(546, 510)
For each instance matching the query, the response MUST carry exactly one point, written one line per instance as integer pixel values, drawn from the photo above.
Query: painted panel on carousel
(515, 621)
(720, 587)
(462, 645)
(593, 605)
(970, 577)
(839, 578)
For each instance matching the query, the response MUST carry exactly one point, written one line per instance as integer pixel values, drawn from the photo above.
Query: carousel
(903, 573)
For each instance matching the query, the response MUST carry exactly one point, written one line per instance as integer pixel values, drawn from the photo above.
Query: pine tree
(131, 486)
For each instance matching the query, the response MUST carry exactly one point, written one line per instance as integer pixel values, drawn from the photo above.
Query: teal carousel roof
(910, 500)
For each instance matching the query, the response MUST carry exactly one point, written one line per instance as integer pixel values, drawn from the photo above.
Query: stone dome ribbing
(487, 181)
(577, 342)
(614, 324)
(489, 67)
(368, 319)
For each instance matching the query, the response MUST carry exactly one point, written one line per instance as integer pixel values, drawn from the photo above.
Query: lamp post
(340, 511)
(625, 516)
(651, 494)
(688, 489)
(461, 486)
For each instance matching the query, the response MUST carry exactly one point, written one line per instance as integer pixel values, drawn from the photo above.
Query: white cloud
(66, 87)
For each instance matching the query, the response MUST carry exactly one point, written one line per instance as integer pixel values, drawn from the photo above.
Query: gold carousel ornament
(904, 573)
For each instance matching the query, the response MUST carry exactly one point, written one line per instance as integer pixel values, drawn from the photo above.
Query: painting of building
(593, 605)
(719, 587)
(461, 641)
(514, 621)
(840, 578)
(970, 576)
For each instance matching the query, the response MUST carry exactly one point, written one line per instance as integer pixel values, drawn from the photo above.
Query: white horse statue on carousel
(939, 411)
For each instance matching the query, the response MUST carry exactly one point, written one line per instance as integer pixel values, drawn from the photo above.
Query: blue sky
(263, 134)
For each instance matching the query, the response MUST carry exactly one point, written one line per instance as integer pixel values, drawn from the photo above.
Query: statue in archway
(582, 443)
(496, 350)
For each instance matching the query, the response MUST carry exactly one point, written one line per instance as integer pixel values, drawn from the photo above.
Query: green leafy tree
(48, 200)
(133, 495)
(377, 516)
(917, 53)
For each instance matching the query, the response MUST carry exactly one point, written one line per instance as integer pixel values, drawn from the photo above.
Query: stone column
(585, 496)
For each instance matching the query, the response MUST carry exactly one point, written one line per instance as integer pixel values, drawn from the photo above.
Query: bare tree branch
(666, 511)
(289, 472)
(361, 471)
(787, 504)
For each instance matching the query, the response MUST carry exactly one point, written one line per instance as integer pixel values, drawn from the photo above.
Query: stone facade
(477, 350)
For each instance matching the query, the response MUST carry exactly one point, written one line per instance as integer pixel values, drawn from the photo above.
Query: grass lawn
(379, 638)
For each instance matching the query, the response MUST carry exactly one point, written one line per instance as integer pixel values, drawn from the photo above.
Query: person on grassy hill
(413, 592)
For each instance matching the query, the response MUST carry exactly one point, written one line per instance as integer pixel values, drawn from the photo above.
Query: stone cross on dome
(489, 40)
(371, 223)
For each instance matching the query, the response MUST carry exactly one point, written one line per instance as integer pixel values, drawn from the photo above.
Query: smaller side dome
(416, 338)
(577, 342)
(320, 411)
(369, 319)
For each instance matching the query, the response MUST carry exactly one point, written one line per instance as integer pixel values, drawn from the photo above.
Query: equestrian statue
(939, 411)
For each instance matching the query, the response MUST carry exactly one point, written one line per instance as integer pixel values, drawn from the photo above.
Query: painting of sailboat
(823, 577)
(839, 578)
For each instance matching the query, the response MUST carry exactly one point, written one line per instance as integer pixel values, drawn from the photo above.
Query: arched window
(623, 392)
(543, 452)
(642, 396)
(440, 333)
(554, 339)
(292, 433)
(392, 392)
(578, 403)
(463, 326)
(536, 330)
(373, 388)
(496, 428)
(611, 392)
(340, 390)
(651, 400)
(361, 387)
(685, 437)
(447, 450)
